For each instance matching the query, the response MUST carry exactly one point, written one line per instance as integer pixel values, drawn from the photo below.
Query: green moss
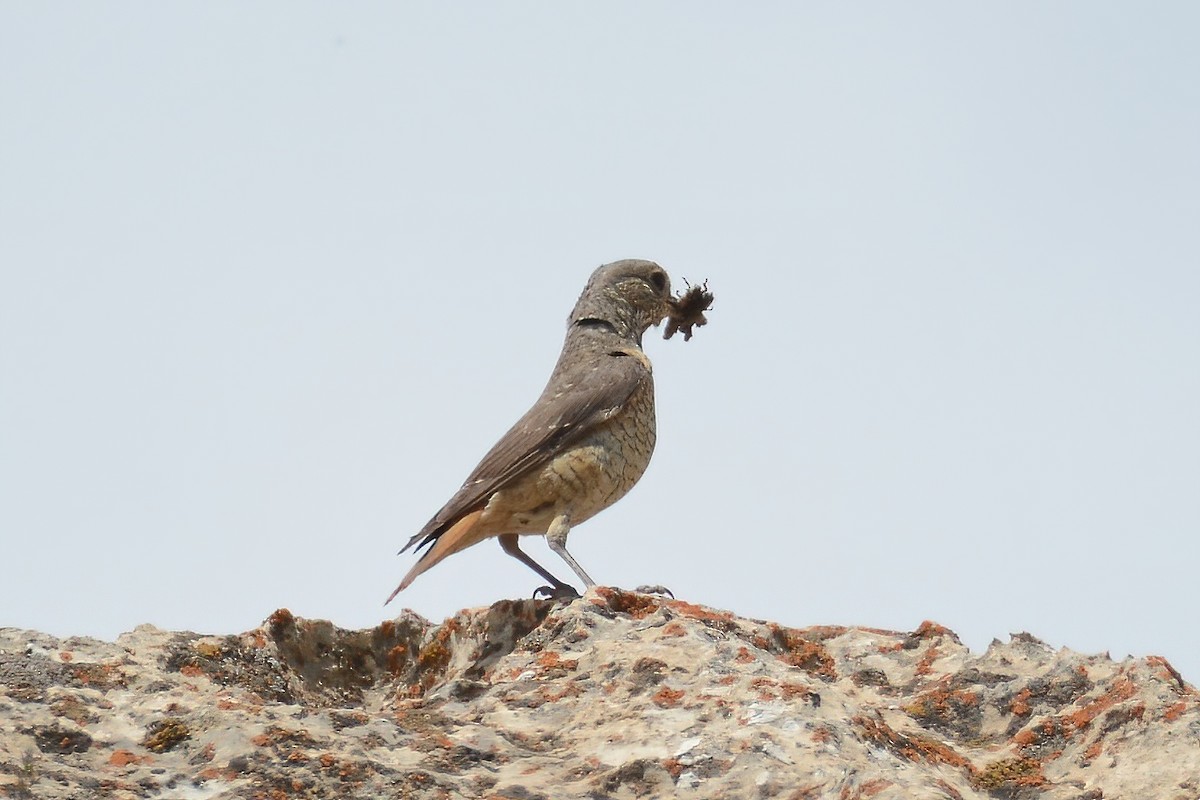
(165, 734)
(1024, 771)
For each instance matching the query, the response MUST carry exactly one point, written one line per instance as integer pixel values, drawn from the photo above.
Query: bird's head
(629, 296)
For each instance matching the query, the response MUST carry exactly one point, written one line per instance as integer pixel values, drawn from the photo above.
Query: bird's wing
(584, 398)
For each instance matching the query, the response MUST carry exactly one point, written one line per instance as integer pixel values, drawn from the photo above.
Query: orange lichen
(281, 618)
(912, 748)
(673, 629)
(1019, 705)
(1122, 689)
(99, 676)
(925, 662)
(1044, 740)
(570, 690)
(930, 630)
(397, 657)
(1175, 712)
(693, 611)
(791, 647)
(635, 604)
(434, 657)
(275, 735)
(667, 698)
(764, 687)
(823, 632)
(872, 787)
(548, 660)
(122, 758)
(1025, 738)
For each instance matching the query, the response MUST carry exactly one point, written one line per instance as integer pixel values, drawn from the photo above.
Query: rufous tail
(456, 537)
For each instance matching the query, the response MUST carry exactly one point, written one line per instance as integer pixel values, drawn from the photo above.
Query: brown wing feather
(588, 396)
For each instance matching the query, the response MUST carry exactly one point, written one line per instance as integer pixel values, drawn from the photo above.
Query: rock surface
(617, 695)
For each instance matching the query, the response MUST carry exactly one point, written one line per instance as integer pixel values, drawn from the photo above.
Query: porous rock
(616, 695)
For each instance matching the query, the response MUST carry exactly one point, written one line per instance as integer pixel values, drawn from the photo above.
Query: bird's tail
(457, 537)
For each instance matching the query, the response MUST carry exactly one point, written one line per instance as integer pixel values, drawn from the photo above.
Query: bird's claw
(564, 593)
(655, 589)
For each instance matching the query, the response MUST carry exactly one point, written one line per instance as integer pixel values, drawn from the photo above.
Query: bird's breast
(588, 476)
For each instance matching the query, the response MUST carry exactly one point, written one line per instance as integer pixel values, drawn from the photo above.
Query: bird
(582, 445)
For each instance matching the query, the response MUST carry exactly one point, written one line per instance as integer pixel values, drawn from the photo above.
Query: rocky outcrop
(617, 695)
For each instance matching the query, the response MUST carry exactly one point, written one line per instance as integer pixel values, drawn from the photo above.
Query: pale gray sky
(276, 275)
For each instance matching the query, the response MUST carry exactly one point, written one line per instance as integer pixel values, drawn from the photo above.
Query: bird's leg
(556, 537)
(556, 589)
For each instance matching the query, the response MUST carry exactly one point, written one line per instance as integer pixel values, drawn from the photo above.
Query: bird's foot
(655, 589)
(563, 593)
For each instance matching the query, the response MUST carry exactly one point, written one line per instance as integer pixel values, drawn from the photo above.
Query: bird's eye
(658, 280)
